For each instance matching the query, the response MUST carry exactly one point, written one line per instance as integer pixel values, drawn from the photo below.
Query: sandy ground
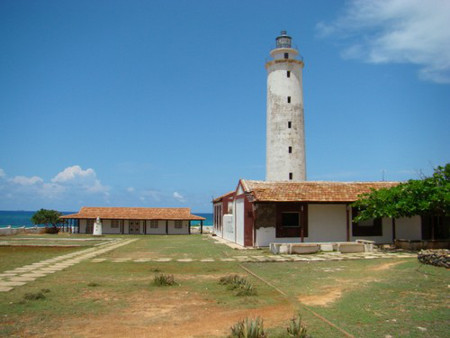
(166, 314)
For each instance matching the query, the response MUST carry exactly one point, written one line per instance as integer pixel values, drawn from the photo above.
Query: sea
(22, 218)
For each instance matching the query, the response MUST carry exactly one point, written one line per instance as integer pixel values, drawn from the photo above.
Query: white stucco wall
(184, 230)
(228, 227)
(106, 227)
(265, 236)
(160, 230)
(409, 228)
(239, 217)
(327, 223)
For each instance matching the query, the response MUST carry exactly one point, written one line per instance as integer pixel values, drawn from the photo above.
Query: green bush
(93, 284)
(248, 328)
(296, 328)
(164, 280)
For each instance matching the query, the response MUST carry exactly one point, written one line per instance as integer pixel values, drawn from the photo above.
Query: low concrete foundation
(351, 247)
(310, 248)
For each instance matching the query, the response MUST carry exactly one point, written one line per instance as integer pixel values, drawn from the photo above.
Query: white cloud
(73, 173)
(2, 173)
(71, 187)
(23, 180)
(179, 197)
(85, 180)
(396, 31)
(130, 189)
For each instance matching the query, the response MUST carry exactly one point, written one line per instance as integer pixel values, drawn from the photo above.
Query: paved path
(327, 256)
(28, 273)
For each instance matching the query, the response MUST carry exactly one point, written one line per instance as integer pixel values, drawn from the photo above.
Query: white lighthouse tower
(285, 149)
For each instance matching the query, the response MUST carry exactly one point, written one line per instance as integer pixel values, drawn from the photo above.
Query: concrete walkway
(22, 275)
(326, 256)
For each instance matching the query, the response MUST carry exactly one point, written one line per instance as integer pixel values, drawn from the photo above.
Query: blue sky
(163, 103)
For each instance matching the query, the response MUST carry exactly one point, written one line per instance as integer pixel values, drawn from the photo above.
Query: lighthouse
(285, 148)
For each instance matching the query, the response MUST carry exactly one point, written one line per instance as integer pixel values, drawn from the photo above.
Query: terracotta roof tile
(220, 198)
(135, 213)
(309, 191)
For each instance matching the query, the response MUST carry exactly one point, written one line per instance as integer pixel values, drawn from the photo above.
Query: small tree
(429, 196)
(51, 219)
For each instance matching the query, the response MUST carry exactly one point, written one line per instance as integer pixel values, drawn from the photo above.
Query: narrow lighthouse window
(288, 74)
(290, 150)
(286, 55)
(290, 176)
(289, 124)
(289, 99)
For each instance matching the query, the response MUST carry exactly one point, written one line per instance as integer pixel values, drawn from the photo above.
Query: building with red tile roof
(122, 220)
(258, 213)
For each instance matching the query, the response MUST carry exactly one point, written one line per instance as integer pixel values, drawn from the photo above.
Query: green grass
(117, 286)
(170, 246)
(16, 256)
(373, 302)
(61, 239)
(178, 247)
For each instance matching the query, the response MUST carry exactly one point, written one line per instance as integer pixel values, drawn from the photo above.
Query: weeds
(253, 328)
(93, 284)
(164, 280)
(248, 328)
(242, 286)
(34, 295)
(296, 328)
(227, 280)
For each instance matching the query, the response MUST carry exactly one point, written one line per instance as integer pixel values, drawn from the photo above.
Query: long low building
(258, 213)
(145, 221)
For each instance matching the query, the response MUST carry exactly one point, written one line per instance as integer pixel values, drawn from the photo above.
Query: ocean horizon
(20, 218)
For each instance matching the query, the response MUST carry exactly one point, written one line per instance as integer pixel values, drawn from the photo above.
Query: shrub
(228, 280)
(296, 328)
(51, 230)
(248, 328)
(164, 280)
(93, 284)
(34, 295)
(242, 286)
(246, 289)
